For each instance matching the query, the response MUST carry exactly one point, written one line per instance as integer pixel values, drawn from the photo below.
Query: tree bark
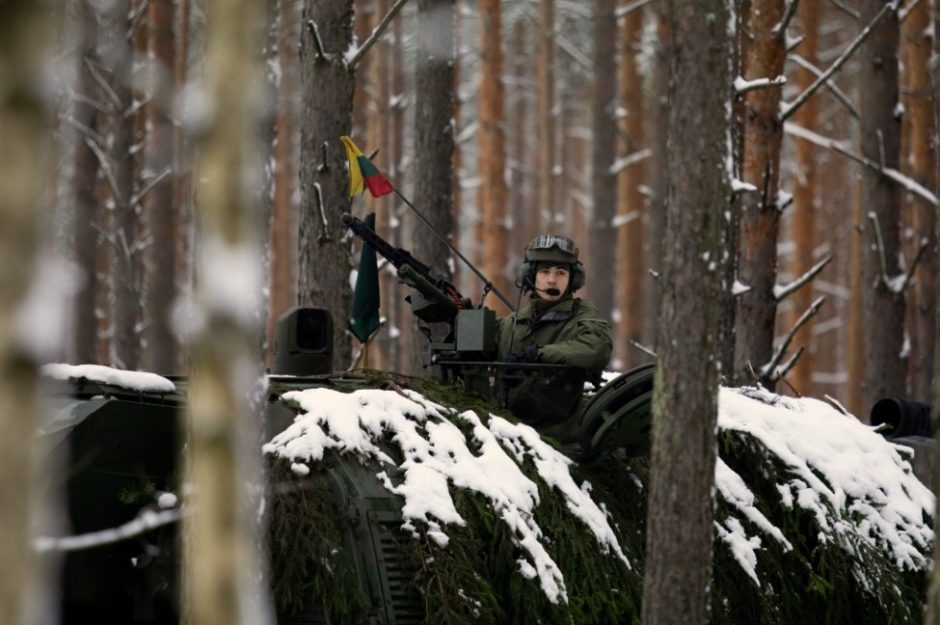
(159, 212)
(920, 165)
(679, 534)
(880, 135)
(804, 208)
(492, 147)
(282, 245)
(85, 188)
(632, 205)
(23, 128)
(602, 240)
(434, 136)
(546, 137)
(221, 535)
(327, 85)
(760, 212)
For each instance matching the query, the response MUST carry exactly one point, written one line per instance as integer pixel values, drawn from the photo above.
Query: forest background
(499, 120)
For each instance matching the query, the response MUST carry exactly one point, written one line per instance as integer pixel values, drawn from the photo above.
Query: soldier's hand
(531, 354)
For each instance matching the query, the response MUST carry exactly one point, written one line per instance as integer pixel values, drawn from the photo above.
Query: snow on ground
(853, 480)
(437, 456)
(132, 380)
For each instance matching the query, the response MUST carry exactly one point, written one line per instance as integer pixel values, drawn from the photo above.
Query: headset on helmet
(552, 248)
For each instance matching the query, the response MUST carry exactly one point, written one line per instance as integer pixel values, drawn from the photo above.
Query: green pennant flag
(365, 307)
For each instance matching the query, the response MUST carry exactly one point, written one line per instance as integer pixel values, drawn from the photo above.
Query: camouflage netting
(819, 563)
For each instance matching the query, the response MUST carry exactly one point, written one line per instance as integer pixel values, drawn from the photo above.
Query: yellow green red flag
(363, 173)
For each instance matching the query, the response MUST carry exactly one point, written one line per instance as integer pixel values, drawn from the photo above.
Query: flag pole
(488, 286)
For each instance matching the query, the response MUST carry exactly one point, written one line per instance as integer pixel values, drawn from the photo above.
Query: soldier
(557, 328)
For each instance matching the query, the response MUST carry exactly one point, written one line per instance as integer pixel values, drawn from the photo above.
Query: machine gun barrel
(443, 300)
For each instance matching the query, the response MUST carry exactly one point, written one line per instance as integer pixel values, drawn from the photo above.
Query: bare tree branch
(767, 371)
(909, 276)
(376, 34)
(643, 348)
(845, 9)
(632, 6)
(832, 86)
(103, 84)
(791, 108)
(836, 404)
(106, 169)
(907, 10)
(781, 372)
(909, 184)
(782, 292)
(317, 41)
(788, 14)
(144, 522)
(325, 234)
(137, 197)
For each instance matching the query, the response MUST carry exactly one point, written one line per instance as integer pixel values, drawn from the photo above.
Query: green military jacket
(567, 332)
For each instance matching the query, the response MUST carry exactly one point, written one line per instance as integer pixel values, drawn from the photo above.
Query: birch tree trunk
(492, 147)
(434, 135)
(602, 240)
(880, 136)
(631, 233)
(920, 165)
(22, 126)
(85, 189)
(760, 212)
(327, 86)
(804, 198)
(220, 536)
(679, 534)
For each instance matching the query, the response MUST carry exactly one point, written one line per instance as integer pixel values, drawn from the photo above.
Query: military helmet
(554, 249)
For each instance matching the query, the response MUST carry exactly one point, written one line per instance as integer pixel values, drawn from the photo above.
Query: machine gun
(471, 331)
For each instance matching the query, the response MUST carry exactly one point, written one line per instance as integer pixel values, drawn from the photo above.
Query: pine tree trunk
(804, 209)
(525, 217)
(85, 188)
(282, 245)
(880, 135)
(159, 212)
(327, 86)
(602, 240)
(396, 295)
(492, 147)
(921, 166)
(434, 135)
(657, 216)
(23, 128)
(546, 136)
(631, 239)
(221, 535)
(679, 532)
(760, 213)
(125, 228)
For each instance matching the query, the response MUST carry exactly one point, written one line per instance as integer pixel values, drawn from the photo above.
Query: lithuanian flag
(363, 173)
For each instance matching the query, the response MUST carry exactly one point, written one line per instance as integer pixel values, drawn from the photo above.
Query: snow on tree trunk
(804, 197)
(632, 211)
(327, 85)
(602, 237)
(919, 164)
(159, 211)
(685, 401)
(492, 150)
(760, 211)
(880, 136)
(221, 561)
(22, 126)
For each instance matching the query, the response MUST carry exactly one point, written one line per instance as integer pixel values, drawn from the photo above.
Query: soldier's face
(551, 283)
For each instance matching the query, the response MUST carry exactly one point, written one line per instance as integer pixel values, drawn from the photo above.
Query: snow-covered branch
(643, 348)
(782, 292)
(632, 6)
(841, 147)
(770, 370)
(106, 170)
(319, 52)
(791, 108)
(788, 14)
(907, 10)
(630, 159)
(144, 522)
(742, 86)
(103, 84)
(896, 284)
(832, 86)
(354, 56)
(137, 197)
